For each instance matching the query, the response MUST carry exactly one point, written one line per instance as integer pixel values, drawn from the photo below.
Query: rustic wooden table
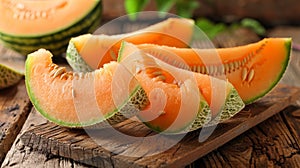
(274, 142)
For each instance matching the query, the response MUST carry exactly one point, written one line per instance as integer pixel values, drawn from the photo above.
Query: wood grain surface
(49, 138)
(14, 108)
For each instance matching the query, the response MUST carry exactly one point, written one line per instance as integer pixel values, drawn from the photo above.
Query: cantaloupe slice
(253, 69)
(180, 100)
(88, 52)
(81, 99)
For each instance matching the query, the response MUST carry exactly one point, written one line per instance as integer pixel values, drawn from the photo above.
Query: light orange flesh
(101, 49)
(68, 98)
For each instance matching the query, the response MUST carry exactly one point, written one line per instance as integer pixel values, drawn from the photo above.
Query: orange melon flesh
(71, 99)
(41, 17)
(96, 50)
(176, 96)
(165, 117)
(253, 69)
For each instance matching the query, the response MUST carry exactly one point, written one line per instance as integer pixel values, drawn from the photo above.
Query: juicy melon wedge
(253, 69)
(88, 52)
(80, 99)
(180, 100)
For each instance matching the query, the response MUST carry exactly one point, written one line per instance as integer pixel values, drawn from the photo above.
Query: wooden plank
(273, 143)
(75, 144)
(23, 156)
(14, 108)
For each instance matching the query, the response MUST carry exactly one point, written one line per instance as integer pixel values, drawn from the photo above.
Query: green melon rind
(9, 76)
(75, 60)
(233, 104)
(134, 103)
(203, 117)
(57, 40)
(288, 45)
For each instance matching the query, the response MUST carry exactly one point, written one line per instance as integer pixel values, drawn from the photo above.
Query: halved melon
(80, 99)
(180, 100)
(88, 52)
(26, 26)
(253, 69)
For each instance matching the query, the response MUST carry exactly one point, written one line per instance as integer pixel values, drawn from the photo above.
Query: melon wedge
(9, 75)
(11, 70)
(80, 99)
(88, 52)
(180, 101)
(253, 69)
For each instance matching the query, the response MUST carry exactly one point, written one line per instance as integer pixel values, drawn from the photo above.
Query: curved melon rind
(285, 63)
(9, 76)
(203, 117)
(75, 60)
(233, 105)
(131, 106)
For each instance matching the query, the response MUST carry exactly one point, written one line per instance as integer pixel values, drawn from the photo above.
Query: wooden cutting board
(78, 145)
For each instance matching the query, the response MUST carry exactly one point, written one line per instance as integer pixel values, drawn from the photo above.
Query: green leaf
(185, 8)
(164, 5)
(209, 28)
(254, 25)
(134, 6)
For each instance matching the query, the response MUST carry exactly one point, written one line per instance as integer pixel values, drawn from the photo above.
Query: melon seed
(222, 70)
(157, 73)
(161, 112)
(212, 69)
(251, 75)
(194, 68)
(161, 77)
(236, 64)
(231, 66)
(44, 14)
(244, 74)
(198, 69)
(207, 70)
(63, 76)
(59, 71)
(20, 6)
(226, 67)
(203, 70)
(73, 93)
